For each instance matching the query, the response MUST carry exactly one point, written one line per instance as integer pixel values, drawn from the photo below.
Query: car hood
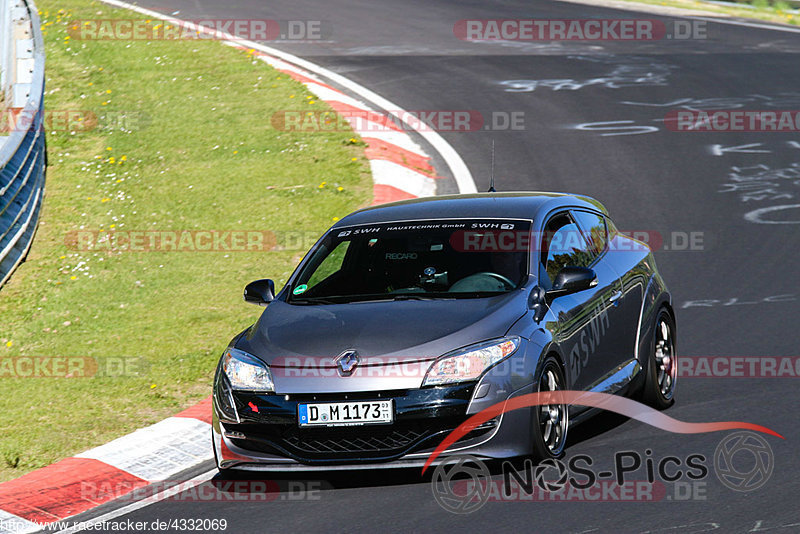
(398, 333)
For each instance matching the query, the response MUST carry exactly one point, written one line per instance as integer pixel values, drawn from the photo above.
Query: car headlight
(471, 362)
(246, 372)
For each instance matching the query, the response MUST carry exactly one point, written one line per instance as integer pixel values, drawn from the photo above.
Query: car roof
(511, 205)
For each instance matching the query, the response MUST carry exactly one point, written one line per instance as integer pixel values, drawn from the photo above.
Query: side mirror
(571, 280)
(260, 292)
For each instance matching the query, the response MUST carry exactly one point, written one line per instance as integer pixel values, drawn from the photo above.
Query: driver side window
(562, 245)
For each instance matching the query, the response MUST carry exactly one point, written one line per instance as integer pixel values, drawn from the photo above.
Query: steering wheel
(473, 278)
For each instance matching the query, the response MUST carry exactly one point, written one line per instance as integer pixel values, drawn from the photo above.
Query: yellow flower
(111, 160)
(113, 226)
(291, 96)
(73, 277)
(310, 101)
(340, 188)
(235, 151)
(105, 200)
(62, 257)
(109, 148)
(353, 159)
(108, 91)
(335, 219)
(124, 158)
(9, 343)
(152, 386)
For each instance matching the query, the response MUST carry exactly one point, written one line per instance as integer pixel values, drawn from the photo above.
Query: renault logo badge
(347, 362)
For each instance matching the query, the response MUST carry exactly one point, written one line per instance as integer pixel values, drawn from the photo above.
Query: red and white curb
(83, 482)
(401, 169)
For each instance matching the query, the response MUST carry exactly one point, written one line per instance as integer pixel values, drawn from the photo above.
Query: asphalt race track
(716, 186)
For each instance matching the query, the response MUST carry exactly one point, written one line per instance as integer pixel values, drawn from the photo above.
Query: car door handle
(613, 299)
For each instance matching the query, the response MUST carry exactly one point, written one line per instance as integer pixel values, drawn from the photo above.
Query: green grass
(198, 153)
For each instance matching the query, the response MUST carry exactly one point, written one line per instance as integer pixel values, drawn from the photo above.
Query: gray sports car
(406, 318)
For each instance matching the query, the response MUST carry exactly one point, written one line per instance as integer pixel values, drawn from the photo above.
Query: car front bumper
(253, 431)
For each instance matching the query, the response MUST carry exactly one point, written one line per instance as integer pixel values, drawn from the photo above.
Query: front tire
(662, 367)
(550, 421)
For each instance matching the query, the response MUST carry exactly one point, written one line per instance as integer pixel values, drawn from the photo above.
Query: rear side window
(594, 230)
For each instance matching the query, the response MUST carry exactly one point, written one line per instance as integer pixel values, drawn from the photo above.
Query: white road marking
(752, 148)
(12, 524)
(158, 451)
(166, 494)
(399, 177)
(749, 24)
(458, 168)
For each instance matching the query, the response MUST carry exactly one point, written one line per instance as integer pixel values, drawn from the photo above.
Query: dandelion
(340, 188)
(73, 277)
(9, 343)
(153, 386)
(353, 159)
(335, 219)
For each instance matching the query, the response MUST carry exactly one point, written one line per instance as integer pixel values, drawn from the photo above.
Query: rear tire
(550, 422)
(662, 366)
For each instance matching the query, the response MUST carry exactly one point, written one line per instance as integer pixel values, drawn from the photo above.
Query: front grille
(373, 442)
(356, 443)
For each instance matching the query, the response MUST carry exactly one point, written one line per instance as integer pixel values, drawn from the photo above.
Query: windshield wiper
(314, 300)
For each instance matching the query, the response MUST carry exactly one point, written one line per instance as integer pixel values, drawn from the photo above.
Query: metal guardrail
(23, 157)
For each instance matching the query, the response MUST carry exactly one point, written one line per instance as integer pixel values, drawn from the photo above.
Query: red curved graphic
(612, 403)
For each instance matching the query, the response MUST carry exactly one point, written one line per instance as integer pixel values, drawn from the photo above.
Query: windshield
(452, 258)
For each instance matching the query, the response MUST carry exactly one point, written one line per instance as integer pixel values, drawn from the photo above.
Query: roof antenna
(491, 174)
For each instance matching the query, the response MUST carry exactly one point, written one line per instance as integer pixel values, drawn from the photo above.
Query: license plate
(345, 413)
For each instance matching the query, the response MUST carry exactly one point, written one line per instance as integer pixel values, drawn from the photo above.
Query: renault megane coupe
(405, 319)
